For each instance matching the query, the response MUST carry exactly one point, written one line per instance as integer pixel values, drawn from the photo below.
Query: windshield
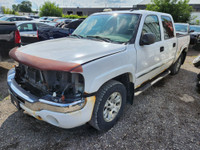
(181, 28)
(196, 29)
(113, 27)
(3, 18)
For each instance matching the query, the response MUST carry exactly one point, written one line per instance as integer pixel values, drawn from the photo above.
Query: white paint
(65, 120)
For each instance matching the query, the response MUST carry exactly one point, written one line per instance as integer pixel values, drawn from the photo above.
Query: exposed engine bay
(56, 86)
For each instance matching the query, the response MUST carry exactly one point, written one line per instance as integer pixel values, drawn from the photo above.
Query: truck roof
(134, 12)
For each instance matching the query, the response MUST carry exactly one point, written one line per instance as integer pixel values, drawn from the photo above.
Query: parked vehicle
(15, 18)
(28, 31)
(52, 18)
(89, 76)
(1, 15)
(59, 31)
(182, 28)
(196, 63)
(9, 38)
(195, 34)
(34, 17)
(43, 18)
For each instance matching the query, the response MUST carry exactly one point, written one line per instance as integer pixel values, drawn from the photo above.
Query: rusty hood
(64, 54)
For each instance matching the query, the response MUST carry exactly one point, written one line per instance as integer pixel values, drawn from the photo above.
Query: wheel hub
(112, 106)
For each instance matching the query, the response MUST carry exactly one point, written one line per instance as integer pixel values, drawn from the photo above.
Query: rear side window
(151, 25)
(40, 25)
(12, 19)
(168, 27)
(26, 27)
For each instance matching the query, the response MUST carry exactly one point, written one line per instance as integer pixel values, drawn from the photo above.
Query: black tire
(197, 64)
(177, 65)
(104, 93)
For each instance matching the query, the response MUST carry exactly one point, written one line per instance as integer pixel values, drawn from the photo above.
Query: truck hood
(72, 50)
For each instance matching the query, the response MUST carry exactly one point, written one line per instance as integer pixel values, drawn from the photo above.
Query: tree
(179, 9)
(50, 9)
(15, 7)
(7, 10)
(25, 6)
(197, 22)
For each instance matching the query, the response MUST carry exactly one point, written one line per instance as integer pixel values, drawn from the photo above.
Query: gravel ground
(166, 116)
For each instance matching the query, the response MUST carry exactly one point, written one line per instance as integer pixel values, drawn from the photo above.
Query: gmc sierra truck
(89, 76)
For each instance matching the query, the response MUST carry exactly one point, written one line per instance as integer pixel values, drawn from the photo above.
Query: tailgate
(7, 38)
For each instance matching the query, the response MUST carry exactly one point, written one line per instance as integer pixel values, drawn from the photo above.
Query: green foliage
(73, 16)
(179, 9)
(15, 7)
(197, 22)
(25, 6)
(50, 9)
(7, 10)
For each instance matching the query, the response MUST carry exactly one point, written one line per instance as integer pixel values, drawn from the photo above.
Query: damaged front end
(58, 91)
(55, 86)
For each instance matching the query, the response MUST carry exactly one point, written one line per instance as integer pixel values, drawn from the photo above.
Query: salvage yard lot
(166, 116)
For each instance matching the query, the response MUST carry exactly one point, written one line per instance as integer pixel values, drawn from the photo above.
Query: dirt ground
(166, 116)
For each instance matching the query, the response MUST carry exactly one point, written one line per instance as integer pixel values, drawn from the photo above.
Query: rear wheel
(177, 65)
(109, 105)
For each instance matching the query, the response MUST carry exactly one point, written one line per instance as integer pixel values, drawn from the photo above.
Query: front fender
(98, 72)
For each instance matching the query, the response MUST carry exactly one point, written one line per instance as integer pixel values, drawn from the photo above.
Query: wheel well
(184, 55)
(126, 80)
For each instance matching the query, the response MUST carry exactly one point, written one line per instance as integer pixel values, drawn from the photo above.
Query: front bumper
(62, 115)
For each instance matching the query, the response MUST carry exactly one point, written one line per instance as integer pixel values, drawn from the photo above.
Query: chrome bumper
(37, 104)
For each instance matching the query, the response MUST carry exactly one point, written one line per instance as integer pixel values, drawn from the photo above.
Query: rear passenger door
(149, 56)
(170, 41)
(28, 33)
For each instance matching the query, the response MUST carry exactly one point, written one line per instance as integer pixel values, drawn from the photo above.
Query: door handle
(162, 49)
(174, 44)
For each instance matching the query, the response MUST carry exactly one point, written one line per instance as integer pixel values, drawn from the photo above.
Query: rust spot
(43, 63)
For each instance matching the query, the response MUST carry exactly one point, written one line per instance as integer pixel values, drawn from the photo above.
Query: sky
(75, 3)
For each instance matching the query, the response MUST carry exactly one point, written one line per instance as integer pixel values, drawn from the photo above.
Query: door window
(168, 27)
(151, 25)
(12, 19)
(26, 27)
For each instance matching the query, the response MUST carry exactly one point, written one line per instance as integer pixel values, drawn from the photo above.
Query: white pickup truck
(88, 77)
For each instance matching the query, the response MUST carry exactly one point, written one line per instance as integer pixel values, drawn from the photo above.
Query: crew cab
(89, 76)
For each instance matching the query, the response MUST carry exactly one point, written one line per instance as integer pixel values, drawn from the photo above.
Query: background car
(182, 28)
(58, 31)
(195, 34)
(15, 18)
(28, 31)
(34, 17)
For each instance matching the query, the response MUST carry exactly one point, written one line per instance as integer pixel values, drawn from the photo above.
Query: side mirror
(147, 39)
(191, 31)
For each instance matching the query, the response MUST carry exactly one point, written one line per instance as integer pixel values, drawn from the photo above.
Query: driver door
(149, 56)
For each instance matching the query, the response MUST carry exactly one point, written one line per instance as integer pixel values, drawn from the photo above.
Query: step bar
(148, 84)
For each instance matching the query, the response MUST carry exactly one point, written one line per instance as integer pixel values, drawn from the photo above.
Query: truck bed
(7, 38)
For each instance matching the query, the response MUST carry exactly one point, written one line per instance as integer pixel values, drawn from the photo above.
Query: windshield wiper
(99, 37)
(76, 35)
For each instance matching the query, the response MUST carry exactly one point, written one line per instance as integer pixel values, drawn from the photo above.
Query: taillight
(17, 37)
(37, 35)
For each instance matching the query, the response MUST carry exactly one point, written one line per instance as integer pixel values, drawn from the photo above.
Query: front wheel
(177, 65)
(109, 105)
